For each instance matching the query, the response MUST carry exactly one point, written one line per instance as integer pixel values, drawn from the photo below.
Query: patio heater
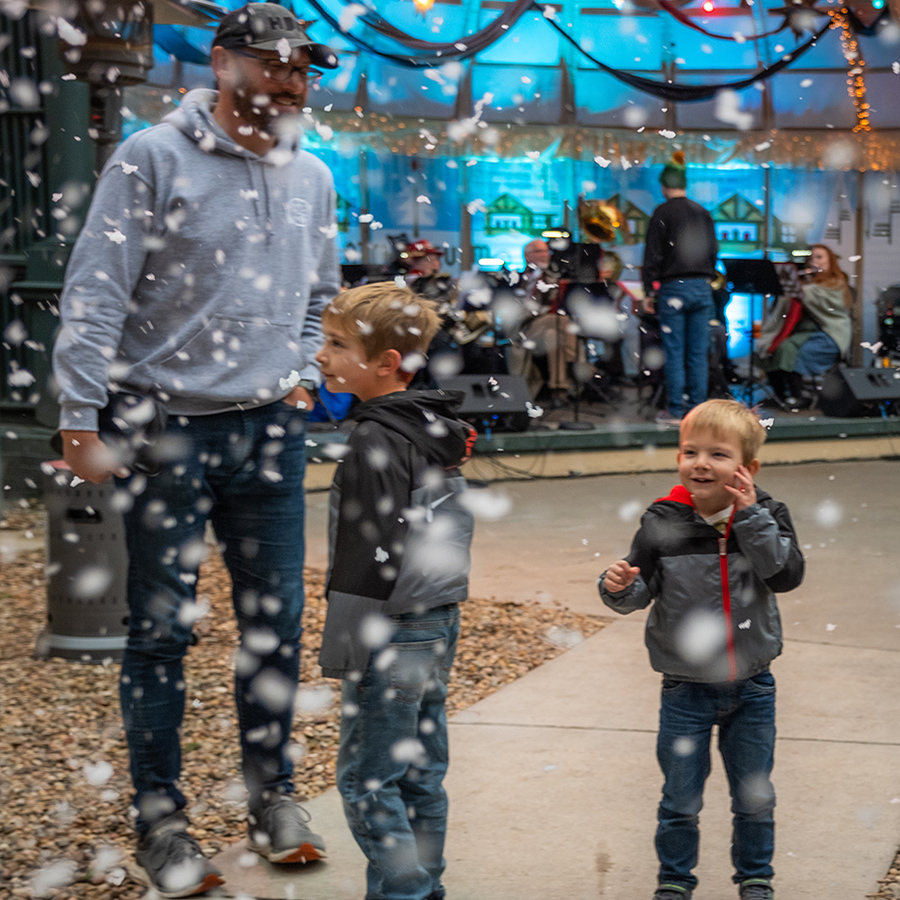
(109, 45)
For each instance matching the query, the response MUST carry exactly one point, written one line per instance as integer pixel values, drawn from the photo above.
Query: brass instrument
(600, 222)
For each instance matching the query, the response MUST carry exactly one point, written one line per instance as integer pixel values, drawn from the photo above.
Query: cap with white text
(268, 26)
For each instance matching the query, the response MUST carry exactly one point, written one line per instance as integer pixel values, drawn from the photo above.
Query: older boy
(709, 556)
(399, 549)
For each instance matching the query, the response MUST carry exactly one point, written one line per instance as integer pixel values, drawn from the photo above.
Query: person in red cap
(422, 259)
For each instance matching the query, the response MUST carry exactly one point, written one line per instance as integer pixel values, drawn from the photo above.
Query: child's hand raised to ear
(743, 489)
(619, 576)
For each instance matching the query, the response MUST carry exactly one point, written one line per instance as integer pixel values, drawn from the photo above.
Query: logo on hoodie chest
(297, 211)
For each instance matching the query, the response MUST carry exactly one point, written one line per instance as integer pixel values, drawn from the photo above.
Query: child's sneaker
(756, 889)
(672, 892)
(278, 831)
(172, 861)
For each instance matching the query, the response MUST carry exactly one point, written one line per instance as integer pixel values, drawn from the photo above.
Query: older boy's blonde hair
(727, 418)
(385, 317)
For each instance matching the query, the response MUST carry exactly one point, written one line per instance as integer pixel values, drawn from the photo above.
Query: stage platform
(616, 437)
(621, 436)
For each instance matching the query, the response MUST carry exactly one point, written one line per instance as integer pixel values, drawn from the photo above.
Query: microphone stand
(576, 424)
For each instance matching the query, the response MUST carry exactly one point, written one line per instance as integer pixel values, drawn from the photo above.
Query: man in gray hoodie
(197, 286)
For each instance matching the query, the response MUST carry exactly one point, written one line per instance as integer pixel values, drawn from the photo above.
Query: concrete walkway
(554, 782)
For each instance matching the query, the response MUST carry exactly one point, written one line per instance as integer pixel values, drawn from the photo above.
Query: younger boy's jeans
(394, 754)
(745, 714)
(243, 471)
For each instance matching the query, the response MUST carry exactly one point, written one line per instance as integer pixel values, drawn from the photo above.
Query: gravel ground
(64, 787)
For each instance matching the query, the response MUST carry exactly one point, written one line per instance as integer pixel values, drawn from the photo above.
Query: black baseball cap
(263, 26)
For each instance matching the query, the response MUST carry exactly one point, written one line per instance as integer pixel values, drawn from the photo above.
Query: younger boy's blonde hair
(727, 418)
(385, 317)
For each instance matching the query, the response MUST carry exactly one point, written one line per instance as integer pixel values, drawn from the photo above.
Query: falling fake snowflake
(349, 15)
(485, 503)
(98, 774)
(69, 33)
(565, 638)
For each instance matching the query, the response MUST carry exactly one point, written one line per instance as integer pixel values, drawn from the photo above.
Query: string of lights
(856, 81)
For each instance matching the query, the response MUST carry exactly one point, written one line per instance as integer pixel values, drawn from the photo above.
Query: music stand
(755, 278)
(587, 292)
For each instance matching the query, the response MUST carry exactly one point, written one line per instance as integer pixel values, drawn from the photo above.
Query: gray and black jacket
(715, 617)
(399, 535)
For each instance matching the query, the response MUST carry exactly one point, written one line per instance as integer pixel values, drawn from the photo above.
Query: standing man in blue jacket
(197, 285)
(679, 264)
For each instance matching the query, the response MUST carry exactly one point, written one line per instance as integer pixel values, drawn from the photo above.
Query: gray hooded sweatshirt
(200, 274)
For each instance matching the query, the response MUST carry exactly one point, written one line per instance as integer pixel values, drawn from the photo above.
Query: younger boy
(399, 567)
(710, 555)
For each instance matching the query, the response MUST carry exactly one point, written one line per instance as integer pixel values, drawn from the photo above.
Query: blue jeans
(243, 471)
(685, 306)
(394, 755)
(745, 714)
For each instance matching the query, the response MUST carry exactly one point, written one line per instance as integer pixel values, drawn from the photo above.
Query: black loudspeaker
(492, 402)
(858, 392)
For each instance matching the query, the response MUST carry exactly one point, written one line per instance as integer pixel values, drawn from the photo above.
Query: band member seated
(809, 328)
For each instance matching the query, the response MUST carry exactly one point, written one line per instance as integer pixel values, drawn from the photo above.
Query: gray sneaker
(172, 861)
(756, 889)
(672, 892)
(278, 831)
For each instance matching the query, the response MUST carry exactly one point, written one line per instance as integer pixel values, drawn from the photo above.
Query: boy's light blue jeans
(394, 755)
(684, 307)
(243, 471)
(745, 713)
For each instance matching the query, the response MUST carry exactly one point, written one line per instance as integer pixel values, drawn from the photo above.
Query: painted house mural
(740, 226)
(507, 213)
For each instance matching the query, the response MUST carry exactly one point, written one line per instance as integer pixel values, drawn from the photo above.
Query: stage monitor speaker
(849, 392)
(492, 402)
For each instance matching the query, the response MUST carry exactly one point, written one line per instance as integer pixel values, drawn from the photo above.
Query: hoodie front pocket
(232, 359)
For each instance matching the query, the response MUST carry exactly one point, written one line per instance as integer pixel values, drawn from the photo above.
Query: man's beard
(255, 108)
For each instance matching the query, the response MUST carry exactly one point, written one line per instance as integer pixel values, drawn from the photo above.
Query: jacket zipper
(726, 600)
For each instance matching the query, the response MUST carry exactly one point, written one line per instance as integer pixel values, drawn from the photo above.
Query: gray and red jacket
(714, 616)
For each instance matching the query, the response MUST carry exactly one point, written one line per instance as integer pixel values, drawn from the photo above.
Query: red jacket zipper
(726, 600)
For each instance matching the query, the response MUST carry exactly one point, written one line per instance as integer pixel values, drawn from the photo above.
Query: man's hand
(743, 490)
(88, 457)
(648, 304)
(619, 576)
(300, 398)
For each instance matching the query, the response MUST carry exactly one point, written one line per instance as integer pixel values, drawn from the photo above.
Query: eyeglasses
(279, 71)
